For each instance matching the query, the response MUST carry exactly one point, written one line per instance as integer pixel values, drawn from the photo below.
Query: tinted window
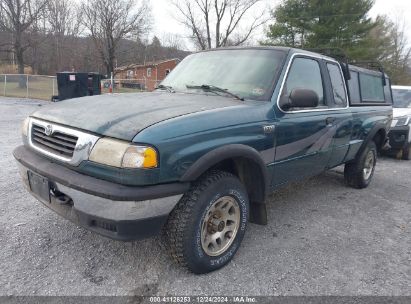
(372, 89)
(337, 82)
(354, 88)
(304, 74)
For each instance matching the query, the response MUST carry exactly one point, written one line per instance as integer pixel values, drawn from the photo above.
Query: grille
(58, 143)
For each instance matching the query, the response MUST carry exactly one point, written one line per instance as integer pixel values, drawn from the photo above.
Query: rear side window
(337, 82)
(305, 74)
(354, 88)
(372, 89)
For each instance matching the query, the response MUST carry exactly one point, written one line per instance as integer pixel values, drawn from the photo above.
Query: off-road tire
(406, 152)
(354, 172)
(183, 229)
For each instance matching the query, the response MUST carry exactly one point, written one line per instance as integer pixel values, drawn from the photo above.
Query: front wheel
(359, 173)
(207, 226)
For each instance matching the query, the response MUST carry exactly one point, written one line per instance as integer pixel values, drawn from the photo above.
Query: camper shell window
(367, 87)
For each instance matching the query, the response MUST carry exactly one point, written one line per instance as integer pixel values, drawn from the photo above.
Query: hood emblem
(48, 130)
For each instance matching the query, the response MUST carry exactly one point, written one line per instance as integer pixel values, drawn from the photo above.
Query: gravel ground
(323, 238)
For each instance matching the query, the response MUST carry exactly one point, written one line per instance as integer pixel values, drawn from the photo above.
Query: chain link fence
(44, 87)
(28, 86)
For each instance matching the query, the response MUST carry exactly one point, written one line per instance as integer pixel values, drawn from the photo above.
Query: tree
(318, 24)
(173, 41)
(18, 18)
(291, 24)
(397, 52)
(35, 39)
(153, 51)
(343, 24)
(217, 23)
(108, 22)
(64, 24)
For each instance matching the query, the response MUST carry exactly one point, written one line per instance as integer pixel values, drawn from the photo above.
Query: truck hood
(122, 116)
(400, 112)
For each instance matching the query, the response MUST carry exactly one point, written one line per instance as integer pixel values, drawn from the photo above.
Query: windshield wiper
(212, 88)
(168, 88)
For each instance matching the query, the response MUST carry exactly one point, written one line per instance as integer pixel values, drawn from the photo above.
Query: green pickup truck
(196, 159)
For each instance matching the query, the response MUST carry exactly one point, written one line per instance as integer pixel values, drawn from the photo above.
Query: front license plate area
(39, 185)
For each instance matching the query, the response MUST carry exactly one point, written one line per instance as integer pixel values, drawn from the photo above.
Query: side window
(371, 88)
(354, 88)
(337, 82)
(304, 74)
(130, 73)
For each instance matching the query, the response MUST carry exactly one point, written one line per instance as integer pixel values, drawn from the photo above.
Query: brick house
(147, 75)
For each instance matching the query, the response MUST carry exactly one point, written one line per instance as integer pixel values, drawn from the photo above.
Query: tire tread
(353, 172)
(180, 216)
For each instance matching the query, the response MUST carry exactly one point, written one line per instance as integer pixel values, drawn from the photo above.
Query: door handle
(329, 121)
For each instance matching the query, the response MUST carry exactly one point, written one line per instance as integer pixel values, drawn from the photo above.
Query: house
(145, 76)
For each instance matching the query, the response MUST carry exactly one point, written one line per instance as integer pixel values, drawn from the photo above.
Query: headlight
(121, 154)
(25, 127)
(402, 121)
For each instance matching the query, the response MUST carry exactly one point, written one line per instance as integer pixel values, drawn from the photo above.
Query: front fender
(220, 154)
(250, 168)
(379, 129)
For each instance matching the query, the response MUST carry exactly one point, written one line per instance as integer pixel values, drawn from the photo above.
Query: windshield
(402, 98)
(250, 74)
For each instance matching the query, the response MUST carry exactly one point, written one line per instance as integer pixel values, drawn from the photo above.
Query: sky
(165, 16)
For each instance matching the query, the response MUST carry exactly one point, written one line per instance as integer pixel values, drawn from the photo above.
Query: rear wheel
(359, 173)
(207, 226)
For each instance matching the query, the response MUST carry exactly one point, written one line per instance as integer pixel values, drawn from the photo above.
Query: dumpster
(72, 85)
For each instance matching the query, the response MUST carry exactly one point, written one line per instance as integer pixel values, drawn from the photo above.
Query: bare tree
(218, 23)
(394, 50)
(173, 41)
(64, 22)
(111, 21)
(18, 19)
(36, 38)
(401, 53)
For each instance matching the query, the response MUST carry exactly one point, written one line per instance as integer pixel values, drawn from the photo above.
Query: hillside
(50, 54)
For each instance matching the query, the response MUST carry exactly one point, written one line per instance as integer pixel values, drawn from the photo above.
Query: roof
(147, 64)
(289, 50)
(269, 47)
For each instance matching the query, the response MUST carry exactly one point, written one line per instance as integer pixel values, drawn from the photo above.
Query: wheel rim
(369, 165)
(220, 226)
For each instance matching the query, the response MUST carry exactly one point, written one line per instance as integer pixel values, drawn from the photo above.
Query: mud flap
(258, 213)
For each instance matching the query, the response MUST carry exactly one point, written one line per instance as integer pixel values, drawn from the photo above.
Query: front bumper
(399, 137)
(113, 210)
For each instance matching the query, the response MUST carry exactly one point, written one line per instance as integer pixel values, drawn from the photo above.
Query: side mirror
(303, 98)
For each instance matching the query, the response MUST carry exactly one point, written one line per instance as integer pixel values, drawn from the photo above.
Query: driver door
(304, 135)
